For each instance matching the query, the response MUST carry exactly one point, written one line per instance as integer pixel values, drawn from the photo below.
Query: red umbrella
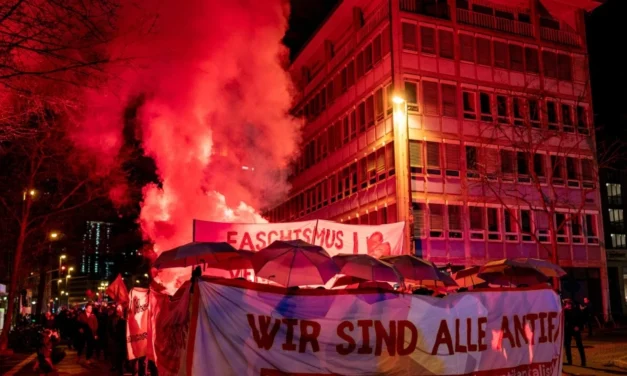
(412, 267)
(508, 272)
(195, 253)
(367, 268)
(294, 263)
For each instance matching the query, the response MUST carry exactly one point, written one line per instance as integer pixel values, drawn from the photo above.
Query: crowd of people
(97, 331)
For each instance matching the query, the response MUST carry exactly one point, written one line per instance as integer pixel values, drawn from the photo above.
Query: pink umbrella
(294, 263)
(367, 268)
(511, 272)
(359, 283)
(412, 267)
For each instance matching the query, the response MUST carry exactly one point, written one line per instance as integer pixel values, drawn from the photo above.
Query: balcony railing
(496, 23)
(560, 36)
(428, 8)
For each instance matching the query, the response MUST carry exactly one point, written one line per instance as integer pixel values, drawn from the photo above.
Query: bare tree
(41, 189)
(536, 154)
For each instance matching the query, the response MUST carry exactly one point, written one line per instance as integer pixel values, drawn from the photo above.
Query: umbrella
(509, 271)
(360, 283)
(412, 267)
(243, 260)
(442, 281)
(196, 253)
(294, 263)
(545, 267)
(468, 277)
(367, 267)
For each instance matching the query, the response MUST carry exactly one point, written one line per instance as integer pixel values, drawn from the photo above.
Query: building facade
(469, 120)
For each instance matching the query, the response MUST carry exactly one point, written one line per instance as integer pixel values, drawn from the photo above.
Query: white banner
(380, 240)
(258, 330)
(137, 324)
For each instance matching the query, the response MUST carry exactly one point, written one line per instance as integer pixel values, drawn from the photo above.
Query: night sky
(305, 18)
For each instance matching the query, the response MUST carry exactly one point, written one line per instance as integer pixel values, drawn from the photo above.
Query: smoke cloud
(213, 115)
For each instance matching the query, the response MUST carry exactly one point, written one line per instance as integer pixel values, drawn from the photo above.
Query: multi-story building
(470, 120)
(95, 257)
(608, 88)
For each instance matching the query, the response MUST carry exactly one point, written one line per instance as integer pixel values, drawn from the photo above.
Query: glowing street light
(62, 257)
(71, 269)
(54, 235)
(398, 100)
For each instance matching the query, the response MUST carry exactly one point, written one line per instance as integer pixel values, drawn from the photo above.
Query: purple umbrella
(294, 263)
(367, 267)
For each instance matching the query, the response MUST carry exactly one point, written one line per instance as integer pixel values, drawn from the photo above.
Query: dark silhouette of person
(573, 325)
(586, 312)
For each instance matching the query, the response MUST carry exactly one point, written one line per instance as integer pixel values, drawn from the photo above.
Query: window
(614, 194)
(477, 226)
(567, 118)
(376, 49)
(517, 104)
(618, 241)
(472, 166)
(452, 159)
(370, 111)
(532, 63)
(415, 157)
(494, 232)
(516, 61)
(446, 44)
(539, 164)
(576, 229)
(542, 226)
(525, 224)
(345, 130)
(592, 234)
(486, 106)
(500, 55)
(616, 219)
(350, 73)
(436, 218)
(587, 173)
(381, 172)
(368, 57)
(430, 97)
(491, 163)
(411, 93)
(572, 171)
(343, 80)
(502, 109)
(389, 158)
(557, 168)
(360, 65)
(372, 168)
(551, 115)
(561, 228)
(427, 40)
(549, 60)
(470, 107)
(507, 163)
(484, 51)
(385, 41)
(522, 164)
(353, 124)
(467, 47)
(378, 104)
(510, 225)
(564, 67)
(409, 37)
(582, 123)
(361, 116)
(534, 113)
(455, 229)
(418, 212)
(449, 100)
(433, 158)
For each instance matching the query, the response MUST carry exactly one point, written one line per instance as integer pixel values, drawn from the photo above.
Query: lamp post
(403, 186)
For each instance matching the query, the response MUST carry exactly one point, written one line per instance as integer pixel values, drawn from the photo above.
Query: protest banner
(137, 323)
(243, 328)
(377, 241)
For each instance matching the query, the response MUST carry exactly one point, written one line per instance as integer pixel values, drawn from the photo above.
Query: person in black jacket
(573, 325)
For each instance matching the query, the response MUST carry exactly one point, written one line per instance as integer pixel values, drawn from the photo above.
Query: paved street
(606, 353)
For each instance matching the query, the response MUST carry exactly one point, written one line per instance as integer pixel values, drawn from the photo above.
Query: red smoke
(215, 115)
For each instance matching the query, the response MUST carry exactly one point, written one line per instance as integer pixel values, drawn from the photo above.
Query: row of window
(491, 163)
(485, 51)
(614, 194)
(362, 117)
(365, 60)
(359, 175)
(442, 99)
(500, 223)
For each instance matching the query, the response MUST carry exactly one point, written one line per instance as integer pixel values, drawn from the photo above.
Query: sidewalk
(606, 354)
(68, 366)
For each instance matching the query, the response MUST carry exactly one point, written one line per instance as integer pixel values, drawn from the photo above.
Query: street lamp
(398, 100)
(54, 235)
